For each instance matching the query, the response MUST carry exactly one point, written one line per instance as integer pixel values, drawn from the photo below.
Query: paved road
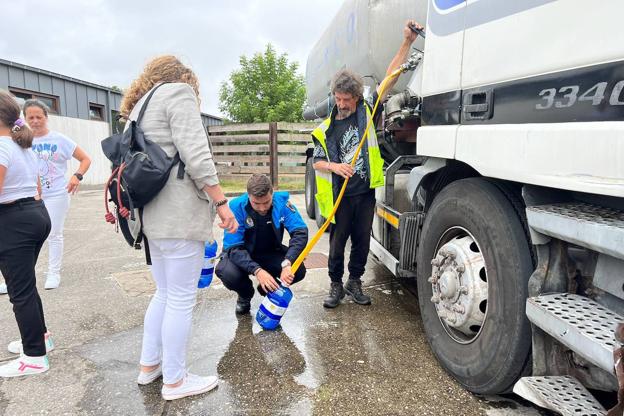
(349, 361)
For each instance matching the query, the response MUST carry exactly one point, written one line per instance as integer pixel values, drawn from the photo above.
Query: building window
(50, 100)
(96, 112)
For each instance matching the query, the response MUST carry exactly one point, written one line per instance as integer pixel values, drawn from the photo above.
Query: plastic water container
(273, 307)
(210, 259)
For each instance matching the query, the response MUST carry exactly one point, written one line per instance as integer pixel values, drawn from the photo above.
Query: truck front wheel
(310, 188)
(474, 263)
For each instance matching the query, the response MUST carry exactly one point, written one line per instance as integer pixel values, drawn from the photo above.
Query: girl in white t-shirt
(54, 151)
(25, 225)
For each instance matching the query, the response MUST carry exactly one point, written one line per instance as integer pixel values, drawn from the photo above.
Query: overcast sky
(107, 42)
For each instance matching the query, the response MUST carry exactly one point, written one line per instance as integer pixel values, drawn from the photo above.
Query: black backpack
(140, 169)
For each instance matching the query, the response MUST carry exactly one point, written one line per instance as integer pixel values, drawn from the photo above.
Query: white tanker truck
(504, 196)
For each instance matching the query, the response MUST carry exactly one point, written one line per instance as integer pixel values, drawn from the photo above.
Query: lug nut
(463, 290)
(451, 319)
(459, 309)
(461, 268)
(433, 280)
(435, 299)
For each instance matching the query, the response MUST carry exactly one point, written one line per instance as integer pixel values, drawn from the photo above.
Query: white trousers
(176, 266)
(57, 207)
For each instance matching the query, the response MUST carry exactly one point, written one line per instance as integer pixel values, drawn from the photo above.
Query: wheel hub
(460, 289)
(449, 284)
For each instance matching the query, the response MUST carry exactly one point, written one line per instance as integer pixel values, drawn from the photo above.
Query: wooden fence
(276, 149)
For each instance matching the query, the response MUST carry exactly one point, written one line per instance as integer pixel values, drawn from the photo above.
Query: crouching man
(256, 247)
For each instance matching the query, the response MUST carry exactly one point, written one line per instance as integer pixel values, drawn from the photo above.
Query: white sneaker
(148, 377)
(52, 281)
(25, 366)
(3, 289)
(191, 386)
(16, 346)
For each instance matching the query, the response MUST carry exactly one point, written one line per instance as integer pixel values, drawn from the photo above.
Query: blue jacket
(240, 245)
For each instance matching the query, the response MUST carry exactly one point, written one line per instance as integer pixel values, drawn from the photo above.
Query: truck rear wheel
(320, 220)
(473, 268)
(310, 188)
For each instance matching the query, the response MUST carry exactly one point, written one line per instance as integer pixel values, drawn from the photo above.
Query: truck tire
(474, 264)
(310, 189)
(320, 220)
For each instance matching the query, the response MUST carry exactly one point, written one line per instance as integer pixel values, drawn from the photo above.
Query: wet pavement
(352, 360)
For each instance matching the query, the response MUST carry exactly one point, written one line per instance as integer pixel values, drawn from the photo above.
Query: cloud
(108, 42)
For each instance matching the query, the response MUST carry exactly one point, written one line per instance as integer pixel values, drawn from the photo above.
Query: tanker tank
(363, 36)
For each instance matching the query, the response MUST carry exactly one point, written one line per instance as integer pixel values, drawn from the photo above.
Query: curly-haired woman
(177, 221)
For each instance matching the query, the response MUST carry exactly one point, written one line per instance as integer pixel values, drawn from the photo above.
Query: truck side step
(579, 323)
(597, 228)
(561, 394)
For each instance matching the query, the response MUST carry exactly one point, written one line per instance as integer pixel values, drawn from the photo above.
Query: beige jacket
(181, 209)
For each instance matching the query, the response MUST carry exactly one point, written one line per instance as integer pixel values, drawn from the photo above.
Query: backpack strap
(143, 237)
(149, 97)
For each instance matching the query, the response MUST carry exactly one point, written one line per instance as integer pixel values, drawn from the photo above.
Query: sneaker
(16, 347)
(191, 386)
(354, 289)
(150, 376)
(336, 293)
(3, 289)
(25, 366)
(242, 306)
(52, 281)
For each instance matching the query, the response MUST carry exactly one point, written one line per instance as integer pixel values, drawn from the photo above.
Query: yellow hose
(321, 230)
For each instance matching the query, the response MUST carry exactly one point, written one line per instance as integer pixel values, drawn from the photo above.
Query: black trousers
(354, 218)
(237, 279)
(25, 226)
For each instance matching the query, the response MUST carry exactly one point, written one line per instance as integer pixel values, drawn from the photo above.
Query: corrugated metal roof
(56, 75)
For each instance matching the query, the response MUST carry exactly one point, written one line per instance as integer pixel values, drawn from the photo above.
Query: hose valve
(412, 62)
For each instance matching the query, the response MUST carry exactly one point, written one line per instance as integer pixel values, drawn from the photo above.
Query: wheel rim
(459, 282)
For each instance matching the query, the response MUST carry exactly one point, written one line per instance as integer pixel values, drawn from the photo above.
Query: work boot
(243, 305)
(336, 293)
(354, 289)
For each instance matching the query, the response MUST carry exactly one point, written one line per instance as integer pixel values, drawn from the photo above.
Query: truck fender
(419, 173)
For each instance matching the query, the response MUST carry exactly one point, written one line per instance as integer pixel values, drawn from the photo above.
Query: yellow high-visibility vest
(324, 184)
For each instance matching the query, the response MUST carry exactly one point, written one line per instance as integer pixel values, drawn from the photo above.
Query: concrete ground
(349, 361)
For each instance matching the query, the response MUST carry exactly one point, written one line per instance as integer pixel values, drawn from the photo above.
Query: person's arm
(3, 170)
(296, 245)
(401, 56)
(322, 163)
(298, 232)
(241, 257)
(5, 158)
(342, 169)
(85, 161)
(228, 222)
(189, 138)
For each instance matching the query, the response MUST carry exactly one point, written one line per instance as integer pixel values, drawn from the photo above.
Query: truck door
(536, 77)
(441, 78)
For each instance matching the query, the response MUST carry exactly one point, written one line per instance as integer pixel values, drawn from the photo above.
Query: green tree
(265, 88)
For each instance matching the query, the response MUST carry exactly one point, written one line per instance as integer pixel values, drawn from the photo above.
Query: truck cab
(504, 197)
